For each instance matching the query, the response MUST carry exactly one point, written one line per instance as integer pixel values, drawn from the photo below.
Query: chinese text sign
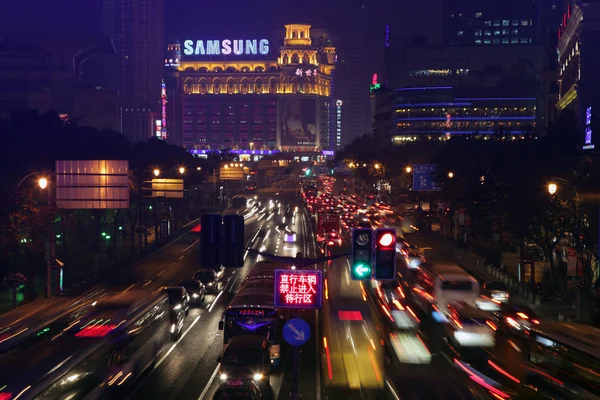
(424, 177)
(298, 288)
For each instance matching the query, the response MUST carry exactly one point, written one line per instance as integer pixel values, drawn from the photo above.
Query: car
(496, 290)
(238, 390)
(177, 318)
(290, 237)
(179, 299)
(247, 358)
(209, 278)
(414, 259)
(195, 289)
(469, 326)
(516, 319)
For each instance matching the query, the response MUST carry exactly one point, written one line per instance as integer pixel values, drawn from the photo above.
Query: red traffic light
(386, 240)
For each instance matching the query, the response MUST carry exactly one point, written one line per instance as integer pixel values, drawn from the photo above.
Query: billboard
(170, 188)
(92, 184)
(424, 177)
(298, 121)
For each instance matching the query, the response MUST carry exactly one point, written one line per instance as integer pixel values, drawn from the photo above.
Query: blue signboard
(296, 332)
(423, 177)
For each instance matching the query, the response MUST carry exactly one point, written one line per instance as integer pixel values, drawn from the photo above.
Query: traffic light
(307, 172)
(211, 237)
(362, 254)
(385, 254)
(233, 240)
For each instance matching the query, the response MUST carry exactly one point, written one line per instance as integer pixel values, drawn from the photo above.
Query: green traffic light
(362, 270)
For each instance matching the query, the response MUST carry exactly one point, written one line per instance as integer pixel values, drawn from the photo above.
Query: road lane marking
(389, 385)
(176, 343)
(181, 257)
(209, 383)
(190, 246)
(214, 301)
(160, 273)
(170, 265)
(514, 346)
(147, 283)
(233, 283)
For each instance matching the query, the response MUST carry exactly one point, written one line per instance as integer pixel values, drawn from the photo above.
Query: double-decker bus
(97, 352)
(564, 360)
(252, 311)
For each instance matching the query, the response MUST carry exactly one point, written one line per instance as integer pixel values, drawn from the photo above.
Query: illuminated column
(163, 110)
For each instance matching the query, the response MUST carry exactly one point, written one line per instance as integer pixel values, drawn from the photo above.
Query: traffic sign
(362, 254)
(296, 332)
(424, 177)
(298, 288)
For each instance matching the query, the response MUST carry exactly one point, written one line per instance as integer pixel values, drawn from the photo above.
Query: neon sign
(387, 35)
(588, 129)
(225, 47)
(163, 111)
(338, 122)
(307, 72)
(158, 124)
(375, 83)
(298, 288)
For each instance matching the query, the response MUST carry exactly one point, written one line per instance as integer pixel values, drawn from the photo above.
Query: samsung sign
(225, 47)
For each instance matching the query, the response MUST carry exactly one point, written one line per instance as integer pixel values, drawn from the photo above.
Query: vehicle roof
(582, 337)
(469, 311)
(245, 341)
(447, 270)
(188, 281)
(252, 299)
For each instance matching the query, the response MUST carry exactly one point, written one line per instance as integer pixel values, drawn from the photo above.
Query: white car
(290, 237)
(468, 326)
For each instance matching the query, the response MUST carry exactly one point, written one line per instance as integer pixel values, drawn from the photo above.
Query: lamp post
(51, 238)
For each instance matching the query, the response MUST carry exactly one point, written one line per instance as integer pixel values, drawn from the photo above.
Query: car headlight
(195, 295)
(223, 377)
(211, 283)
(258, 377)
(177, 307)
(173, 328)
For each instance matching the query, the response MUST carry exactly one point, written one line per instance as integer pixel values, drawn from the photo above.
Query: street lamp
(450, 175)
(43, 182)
(156, 172)
(181, 170)
(552, 188)
(408, 170)
(377, 166)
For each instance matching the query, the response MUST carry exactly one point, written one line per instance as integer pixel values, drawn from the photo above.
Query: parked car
(195, 289)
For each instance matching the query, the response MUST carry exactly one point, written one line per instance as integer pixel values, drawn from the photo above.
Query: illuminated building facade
(442, 111)
(578, 63)
(252, 95)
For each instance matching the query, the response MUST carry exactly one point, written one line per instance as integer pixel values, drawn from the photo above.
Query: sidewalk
(476, 265)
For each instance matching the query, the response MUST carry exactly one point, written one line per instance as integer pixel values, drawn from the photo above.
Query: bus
(564, 360)
(97, 353)
(252, 312)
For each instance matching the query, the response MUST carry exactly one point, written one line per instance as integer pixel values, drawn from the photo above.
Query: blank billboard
(92, 184)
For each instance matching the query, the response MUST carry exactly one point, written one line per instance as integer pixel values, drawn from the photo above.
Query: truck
(329, 228)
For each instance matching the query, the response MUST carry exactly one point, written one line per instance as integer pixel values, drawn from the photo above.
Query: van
(436, 286)
(246, 358)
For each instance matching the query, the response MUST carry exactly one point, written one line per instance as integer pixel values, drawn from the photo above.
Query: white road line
(389, 385)
(176, 343)
(209, 383)
(190, 246)
(514, 346)
(214, 301)
(147, 283)
(170, 265)
(233, 283)
(160, 273)
(181, 257)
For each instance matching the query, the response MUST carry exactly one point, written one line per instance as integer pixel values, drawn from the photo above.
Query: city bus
(564, 360)
(252, 312)
(98, 354)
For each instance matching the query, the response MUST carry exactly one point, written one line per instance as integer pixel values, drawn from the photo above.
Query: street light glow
(156, 172)
(377, 166)
(450, 174)
(43, 182)
(552, 188)
(181, 170)
(408, 170)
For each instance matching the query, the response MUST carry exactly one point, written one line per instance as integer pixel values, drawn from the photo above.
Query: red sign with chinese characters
(298, 288)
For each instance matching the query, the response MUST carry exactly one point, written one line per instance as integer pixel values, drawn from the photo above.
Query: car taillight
(491, 325)
(535, 321)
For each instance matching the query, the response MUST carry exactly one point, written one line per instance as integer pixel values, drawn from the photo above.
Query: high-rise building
(485, 22)
(136, 28)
